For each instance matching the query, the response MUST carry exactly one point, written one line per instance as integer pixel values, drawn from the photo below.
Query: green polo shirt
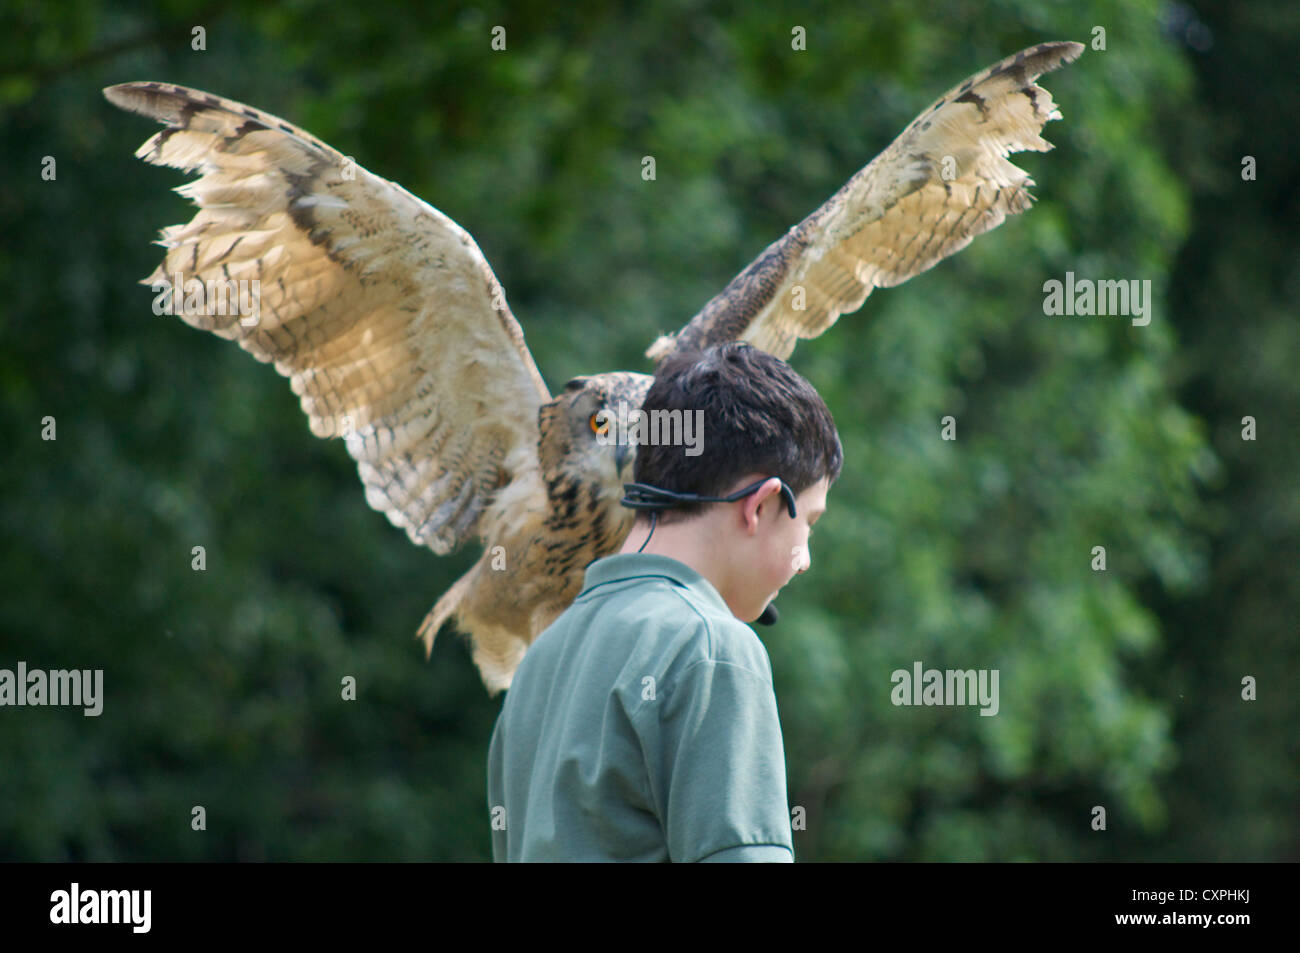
(641, 726)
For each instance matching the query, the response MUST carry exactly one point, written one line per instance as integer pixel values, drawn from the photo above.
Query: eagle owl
(395, 335)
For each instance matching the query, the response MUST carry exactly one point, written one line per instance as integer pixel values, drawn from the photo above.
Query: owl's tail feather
(446, 606)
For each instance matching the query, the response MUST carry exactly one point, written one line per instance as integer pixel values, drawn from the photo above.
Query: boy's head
(760, 420)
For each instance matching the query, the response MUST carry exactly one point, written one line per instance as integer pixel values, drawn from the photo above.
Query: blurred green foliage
(1119, 689)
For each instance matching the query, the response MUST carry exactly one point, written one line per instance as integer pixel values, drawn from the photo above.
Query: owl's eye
(599, 422)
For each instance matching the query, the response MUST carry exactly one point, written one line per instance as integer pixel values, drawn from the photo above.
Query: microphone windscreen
(770, 616)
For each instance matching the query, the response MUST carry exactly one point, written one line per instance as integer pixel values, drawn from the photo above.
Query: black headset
(643, 496)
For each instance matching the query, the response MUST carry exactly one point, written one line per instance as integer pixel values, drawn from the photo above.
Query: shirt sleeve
(722, 788)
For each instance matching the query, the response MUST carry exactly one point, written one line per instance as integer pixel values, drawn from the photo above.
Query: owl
(395, 334)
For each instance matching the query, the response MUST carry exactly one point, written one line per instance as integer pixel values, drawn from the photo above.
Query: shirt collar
(626, 566)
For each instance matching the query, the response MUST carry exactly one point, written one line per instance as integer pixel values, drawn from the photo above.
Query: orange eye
(599, 422)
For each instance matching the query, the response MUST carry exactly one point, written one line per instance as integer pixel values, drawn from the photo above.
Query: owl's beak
(622, 453)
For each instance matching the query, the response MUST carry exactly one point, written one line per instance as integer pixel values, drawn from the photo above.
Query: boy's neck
(693, 543)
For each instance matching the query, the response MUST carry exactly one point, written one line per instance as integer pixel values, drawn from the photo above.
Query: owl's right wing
(380, 310)
(943, 181)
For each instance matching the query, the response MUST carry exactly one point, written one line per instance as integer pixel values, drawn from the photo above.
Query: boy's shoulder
(675, 614)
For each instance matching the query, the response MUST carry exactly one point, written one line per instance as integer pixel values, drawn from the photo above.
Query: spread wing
(380, 310)
(943, 181)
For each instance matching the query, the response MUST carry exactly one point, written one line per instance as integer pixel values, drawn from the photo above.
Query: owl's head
(584, 431)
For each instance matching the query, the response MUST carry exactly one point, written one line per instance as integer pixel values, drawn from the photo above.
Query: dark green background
(1120, 689)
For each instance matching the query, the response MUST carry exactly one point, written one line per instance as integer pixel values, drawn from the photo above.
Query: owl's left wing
(943, 181)
(381, 311)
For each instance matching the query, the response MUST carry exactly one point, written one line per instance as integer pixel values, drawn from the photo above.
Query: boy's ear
(749, 506)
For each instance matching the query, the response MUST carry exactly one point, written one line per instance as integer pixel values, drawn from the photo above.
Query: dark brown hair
(760, 416)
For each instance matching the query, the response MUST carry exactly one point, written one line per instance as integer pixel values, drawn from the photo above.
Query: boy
(642, 725)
